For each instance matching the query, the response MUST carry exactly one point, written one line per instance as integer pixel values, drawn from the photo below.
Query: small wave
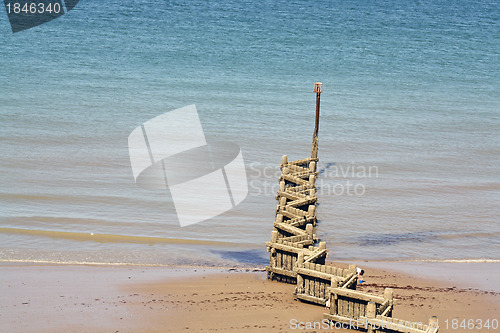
(110, 238)
(470, 235)
(229, 267)
(395, 238)
(57, 262)
(480, 260)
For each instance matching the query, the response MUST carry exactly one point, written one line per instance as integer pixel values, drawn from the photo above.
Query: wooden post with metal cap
(318, 89)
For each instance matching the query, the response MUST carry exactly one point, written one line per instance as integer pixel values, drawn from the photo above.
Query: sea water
(409, 130)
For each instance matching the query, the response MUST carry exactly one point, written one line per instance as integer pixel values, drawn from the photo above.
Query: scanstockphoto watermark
(353, 324)
(334, 179)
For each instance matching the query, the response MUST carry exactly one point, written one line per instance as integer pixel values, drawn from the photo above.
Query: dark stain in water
(395, 238)
(250, 257)
(323, 170)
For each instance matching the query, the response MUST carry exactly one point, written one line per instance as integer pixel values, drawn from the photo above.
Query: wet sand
(66, 298)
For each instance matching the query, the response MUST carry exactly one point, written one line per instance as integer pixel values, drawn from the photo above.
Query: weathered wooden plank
(281, 271)
(362, 309)
(337, 318)
(317, 254)
(340, 310)
(304, 161)
(297, 168)
(351, 308)
(313, 273)
(333, 304)
(291, 195)
(302, 202)
(286, 248)
(355, 313)
(312, 299)
(357, 295)
(302, 221)
(293, 179)
(349, 280)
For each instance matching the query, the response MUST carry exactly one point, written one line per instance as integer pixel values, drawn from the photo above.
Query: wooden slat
(304, 161)
(286, 248)
(312, 299)
(293, 179)
(313, 273)
(355, 313)
(339, 318)
(317, 254)
(301, 202)
(349, 280)
(340, 309)
(357, 295)
(281, 271)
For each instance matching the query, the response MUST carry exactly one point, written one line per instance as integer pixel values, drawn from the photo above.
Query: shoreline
(60, 298)
(479, 273)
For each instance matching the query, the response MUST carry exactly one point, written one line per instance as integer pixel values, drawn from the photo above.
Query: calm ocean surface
(409, 132)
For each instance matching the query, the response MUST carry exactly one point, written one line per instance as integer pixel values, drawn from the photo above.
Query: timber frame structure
(296, 257)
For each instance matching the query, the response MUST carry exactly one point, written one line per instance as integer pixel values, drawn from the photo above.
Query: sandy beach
(78, 298)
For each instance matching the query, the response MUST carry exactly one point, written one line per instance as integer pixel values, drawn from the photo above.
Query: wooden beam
(287, 248)
(291, 195)
(317, 254)
(304, 160)
(357, 295)
(339, 319)
(281, 271)
(311, 299)
(293, 179)
(316, 274)
(290, 229)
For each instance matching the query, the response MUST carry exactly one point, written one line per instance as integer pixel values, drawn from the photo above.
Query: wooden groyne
(298, 258)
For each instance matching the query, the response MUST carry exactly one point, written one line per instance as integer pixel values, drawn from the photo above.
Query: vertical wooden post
(309, 230)
(272, 259)
(333, 297)
(300, 279)
(389, 294)
(318, 89)
(274, 236)
(284, 160)
(300, 259)
(312, 166)
(322, 245)
(311, 210)
(433, 323)
(371, 312)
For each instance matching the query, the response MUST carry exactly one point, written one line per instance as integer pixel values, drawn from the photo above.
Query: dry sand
(61, 298)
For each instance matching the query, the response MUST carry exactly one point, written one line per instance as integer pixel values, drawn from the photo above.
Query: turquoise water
(411, 94)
